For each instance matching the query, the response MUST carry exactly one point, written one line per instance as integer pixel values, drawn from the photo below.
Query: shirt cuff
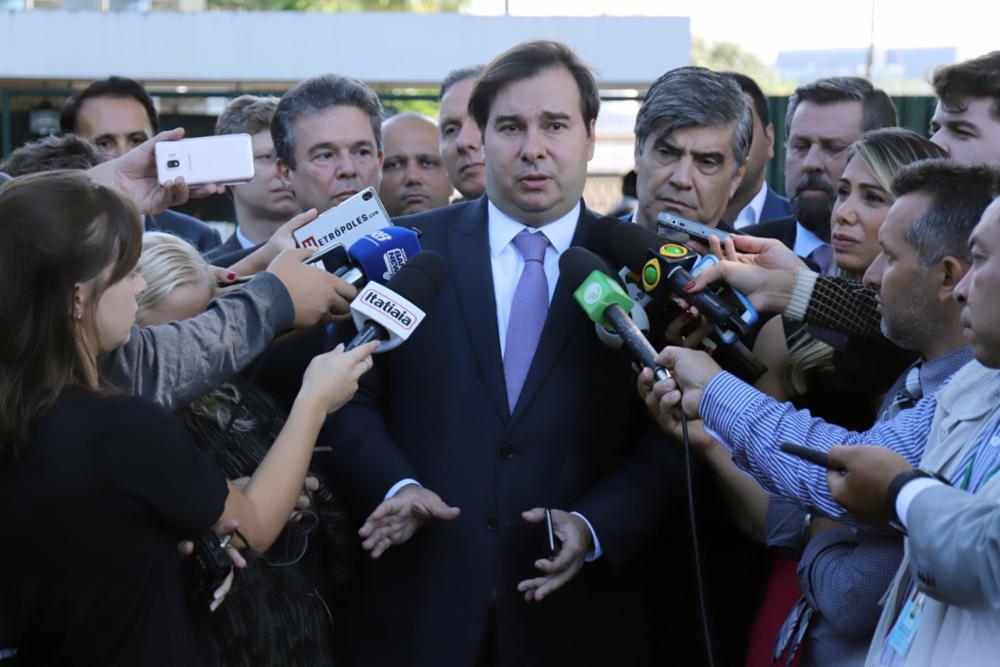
(394, 489)
(723, 403)
(597, 551)
(801, 294)
(910, 491)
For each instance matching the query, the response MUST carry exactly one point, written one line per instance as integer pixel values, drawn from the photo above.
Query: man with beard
(824, 118)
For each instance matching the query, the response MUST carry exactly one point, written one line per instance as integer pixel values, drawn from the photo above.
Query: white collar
(243, 240)
(805, 241)
(503, 229)
(757, 203)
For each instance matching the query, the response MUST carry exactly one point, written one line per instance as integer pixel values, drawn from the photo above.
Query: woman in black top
(276, 613)
(96, 490)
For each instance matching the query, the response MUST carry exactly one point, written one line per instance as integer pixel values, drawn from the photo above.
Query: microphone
(606, 303)
(390, 313)
(665, 269)
(376, 256)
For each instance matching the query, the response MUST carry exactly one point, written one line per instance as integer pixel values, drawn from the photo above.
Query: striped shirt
(751, 425)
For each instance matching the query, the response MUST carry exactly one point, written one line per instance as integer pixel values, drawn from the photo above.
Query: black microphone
(391, 312)
(635, 245)
(605, 302)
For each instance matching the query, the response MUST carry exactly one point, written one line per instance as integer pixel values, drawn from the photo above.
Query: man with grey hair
(327, 132)
(823, 119)
(413, 176)
(461, 141)
(692, 139)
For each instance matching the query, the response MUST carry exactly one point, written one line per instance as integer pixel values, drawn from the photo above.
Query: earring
(77, 316)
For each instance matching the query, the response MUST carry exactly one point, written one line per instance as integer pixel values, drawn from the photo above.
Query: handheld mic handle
(636, 342)
(706, 301)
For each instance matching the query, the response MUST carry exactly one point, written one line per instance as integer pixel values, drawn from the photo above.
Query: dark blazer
(231, 245)
(435, 409)
(775, 206)
(192, 230)
(782, 229)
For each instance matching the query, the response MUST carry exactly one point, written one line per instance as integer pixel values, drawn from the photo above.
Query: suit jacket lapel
(472, 276)
(564, 315)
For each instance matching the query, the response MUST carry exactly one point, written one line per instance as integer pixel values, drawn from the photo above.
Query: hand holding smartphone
(225, 159)
(810, 454)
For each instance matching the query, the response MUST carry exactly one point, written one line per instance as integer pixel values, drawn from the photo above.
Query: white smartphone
(225, 159)
(358, 216)
(669, 221)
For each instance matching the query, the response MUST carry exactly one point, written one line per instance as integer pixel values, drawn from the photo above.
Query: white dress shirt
(244, 241)
(750, 215)
(805, 241)
(507, 265)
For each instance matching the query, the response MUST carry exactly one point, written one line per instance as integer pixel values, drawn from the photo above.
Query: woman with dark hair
(97, 489)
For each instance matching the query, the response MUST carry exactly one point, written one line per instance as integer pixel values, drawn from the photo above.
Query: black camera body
(206, 569)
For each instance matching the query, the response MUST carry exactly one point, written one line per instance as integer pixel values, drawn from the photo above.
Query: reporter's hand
(689, 330)
(314, 292)
(186, 548)
(668, 417)
(768, 291)
(861, 482)
(763, 252)
(134, 175)
(690, 373)
(575, 543)
(332, 378)
(396, 519)
(281, 240)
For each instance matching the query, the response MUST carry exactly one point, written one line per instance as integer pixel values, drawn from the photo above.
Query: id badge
(903, 631)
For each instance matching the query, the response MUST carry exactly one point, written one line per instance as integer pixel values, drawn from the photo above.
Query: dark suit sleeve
(363, 459)
(630, 503)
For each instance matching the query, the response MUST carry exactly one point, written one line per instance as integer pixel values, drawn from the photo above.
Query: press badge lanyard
(905, 627)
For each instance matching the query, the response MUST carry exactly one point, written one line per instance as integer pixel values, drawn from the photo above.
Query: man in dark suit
(501, 404)
(117, 114)
(823, 119)
(754, 200)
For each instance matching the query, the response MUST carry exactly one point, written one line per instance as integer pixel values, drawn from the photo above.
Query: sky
(765, 27)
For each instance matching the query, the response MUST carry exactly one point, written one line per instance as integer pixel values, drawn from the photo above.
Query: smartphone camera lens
(173, 164)
(366, 196)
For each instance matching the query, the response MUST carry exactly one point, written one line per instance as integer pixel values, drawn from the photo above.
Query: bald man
(413, 175)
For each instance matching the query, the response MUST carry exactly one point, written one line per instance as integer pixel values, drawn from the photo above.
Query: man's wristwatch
(897, 484)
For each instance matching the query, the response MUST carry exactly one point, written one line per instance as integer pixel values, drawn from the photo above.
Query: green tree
(728, 56)
(422, 6)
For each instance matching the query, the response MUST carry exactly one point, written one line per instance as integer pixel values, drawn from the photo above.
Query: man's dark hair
(979, 77)
(460, 74)
(750, 87)
(51, 153)
(114, 86)
(959, 194)
(525, 61)
(696, 97)
(877, 109)
(247, 114)
(315, 95)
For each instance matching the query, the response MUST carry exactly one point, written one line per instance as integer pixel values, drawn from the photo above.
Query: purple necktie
(527, 313)
(823, 256)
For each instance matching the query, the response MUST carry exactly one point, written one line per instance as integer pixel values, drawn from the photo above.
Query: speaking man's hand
(396, 519)
(575, 543)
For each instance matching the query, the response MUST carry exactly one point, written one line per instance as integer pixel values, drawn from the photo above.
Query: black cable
(699, 582)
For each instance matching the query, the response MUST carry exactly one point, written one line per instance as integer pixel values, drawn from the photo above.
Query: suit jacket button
(492, 523)
(507, 452)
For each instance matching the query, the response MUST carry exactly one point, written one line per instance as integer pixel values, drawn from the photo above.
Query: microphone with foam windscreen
(391, 313)
(376, 256)
(606, 303)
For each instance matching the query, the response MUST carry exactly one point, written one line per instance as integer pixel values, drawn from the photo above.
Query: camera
(173, 164)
